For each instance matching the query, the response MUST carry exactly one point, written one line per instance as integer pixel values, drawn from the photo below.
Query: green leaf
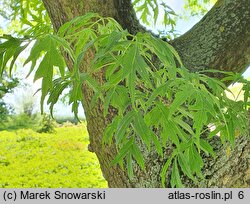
(161, 49)
(184, 125)
(142, 130)
(64, 43)
(184, 146)
(215, 132)
(175, 53)
(76, 97)
(157, 144)
(82, 54)
(138, 156)
(40, 45)
(195, 161)
(110, 130)
(123, 125)
(164, 110)
(111, 40)
(153, 117)
(175, 176)
(130, 165)
(1, 63)
(130, 70)
(110, 70)
(73, 25)
(180, 98)
(171, 130)
(45, 69)
(169, 127)
(135, 2)
(120, 99)
(9, 49)
(156, 13)
(59, 86)
(206, 147)
(246, 88)
(108, 97)
(165, 134)
(93, 83)
(164, 170)
(16, 54)
(231, 132)
(126, 148)
(185, 166)
(127, 63)
(159, 91)
(117, 77)
(132, 87)
(141, 67)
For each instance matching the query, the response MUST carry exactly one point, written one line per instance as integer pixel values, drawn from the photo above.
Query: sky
(62, 110)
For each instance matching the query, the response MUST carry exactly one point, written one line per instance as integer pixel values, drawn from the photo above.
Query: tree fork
(199, 51)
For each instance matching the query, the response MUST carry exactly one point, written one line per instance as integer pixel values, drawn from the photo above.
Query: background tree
(6, 86)
(151, 80)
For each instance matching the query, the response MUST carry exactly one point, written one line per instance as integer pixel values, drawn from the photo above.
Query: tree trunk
(210, 44)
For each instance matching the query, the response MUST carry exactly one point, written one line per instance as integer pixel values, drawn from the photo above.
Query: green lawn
(32, 160)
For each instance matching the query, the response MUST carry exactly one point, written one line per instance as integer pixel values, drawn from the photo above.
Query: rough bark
(219, 41)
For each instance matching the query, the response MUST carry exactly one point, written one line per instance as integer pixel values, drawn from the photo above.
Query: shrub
(21, 121)
(47, 125)
(48, 160)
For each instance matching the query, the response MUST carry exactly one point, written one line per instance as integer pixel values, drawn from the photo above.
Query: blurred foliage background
(48, 160)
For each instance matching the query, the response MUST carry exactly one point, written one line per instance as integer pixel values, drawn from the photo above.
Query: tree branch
(221, 40)
(122, 11)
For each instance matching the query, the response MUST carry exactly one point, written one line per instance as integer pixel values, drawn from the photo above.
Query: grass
(59, 160)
